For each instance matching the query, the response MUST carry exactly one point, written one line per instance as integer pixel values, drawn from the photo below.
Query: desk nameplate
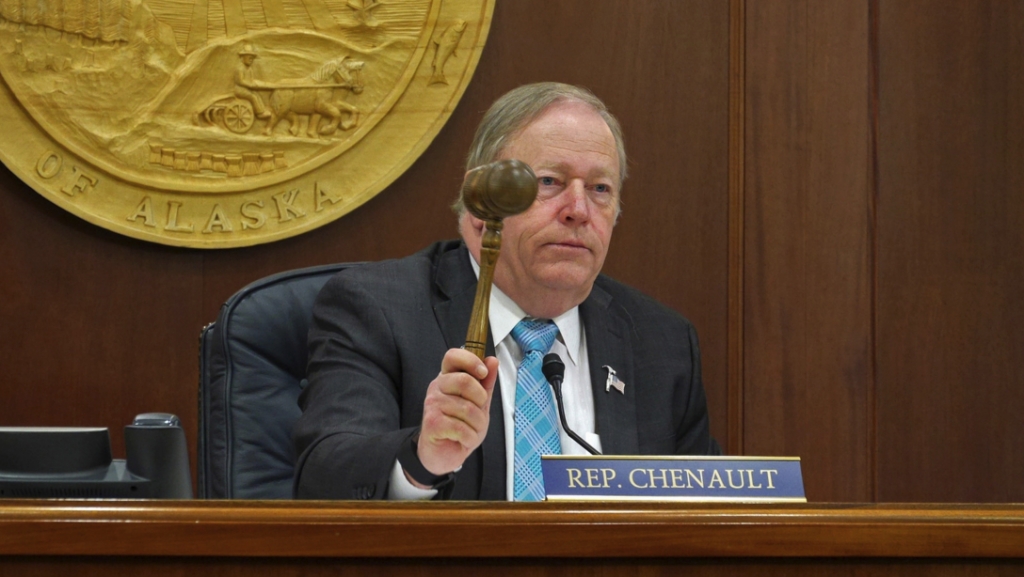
(674, 478)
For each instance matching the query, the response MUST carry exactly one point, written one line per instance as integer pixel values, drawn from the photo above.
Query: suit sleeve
(350, 430)
(692, 434)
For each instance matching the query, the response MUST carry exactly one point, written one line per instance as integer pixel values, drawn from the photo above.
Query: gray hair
(521, 106)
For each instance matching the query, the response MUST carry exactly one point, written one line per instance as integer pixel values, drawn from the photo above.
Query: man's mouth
(572, 244)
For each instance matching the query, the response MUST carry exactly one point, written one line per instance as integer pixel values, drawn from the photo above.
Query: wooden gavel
(492, 192)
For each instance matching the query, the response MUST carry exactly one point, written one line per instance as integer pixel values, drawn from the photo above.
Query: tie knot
(533, 335)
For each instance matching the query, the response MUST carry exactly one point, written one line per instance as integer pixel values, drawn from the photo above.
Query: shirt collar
(505, 314)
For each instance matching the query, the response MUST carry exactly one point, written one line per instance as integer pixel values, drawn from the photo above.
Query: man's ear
(472, 225)
(471, 229)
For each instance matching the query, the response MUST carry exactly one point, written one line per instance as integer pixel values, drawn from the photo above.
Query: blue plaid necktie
(535, 417)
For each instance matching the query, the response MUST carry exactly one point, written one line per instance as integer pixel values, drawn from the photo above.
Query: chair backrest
(252, 367)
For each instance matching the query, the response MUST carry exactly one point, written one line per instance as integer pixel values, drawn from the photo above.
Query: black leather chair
(252, 367)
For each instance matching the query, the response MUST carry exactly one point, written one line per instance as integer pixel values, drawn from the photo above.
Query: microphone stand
(554, 370)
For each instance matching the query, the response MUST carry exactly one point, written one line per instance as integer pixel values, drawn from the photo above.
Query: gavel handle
(476, 334)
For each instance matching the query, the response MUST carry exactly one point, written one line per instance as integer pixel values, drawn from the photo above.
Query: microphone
(554, 371)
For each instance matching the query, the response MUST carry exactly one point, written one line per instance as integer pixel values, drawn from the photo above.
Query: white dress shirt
(577, 397)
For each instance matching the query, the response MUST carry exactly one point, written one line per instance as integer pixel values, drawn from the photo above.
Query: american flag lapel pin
(613, 382)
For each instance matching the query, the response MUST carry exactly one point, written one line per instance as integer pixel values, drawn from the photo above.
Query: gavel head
(499, 189)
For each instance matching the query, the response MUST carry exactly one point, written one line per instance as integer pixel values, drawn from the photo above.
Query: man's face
(552, 252)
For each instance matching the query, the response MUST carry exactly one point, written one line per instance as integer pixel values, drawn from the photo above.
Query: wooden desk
(193, 538)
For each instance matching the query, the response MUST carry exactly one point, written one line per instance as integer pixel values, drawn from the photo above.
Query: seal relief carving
(222, 123)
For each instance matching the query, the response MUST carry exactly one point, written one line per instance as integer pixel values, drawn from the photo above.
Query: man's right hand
(456, 411)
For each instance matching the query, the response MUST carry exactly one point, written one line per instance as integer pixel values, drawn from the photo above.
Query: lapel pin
(613, 381)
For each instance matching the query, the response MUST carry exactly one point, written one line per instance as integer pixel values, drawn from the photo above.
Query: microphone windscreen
(553, 367)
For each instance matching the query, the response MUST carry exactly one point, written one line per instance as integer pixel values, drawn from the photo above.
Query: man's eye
(546, 181)
(602, 188)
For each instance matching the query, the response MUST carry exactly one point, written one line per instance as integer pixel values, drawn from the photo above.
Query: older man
(396, 409)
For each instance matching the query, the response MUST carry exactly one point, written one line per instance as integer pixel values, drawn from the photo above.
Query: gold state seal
(222, 123)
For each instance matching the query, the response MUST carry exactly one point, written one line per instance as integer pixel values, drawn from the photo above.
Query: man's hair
(521, 106)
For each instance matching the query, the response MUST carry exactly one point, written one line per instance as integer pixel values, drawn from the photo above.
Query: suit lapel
(456, 284)
(453, 307)
(609, 345)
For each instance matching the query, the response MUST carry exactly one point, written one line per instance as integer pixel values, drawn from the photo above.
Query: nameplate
(707, 479)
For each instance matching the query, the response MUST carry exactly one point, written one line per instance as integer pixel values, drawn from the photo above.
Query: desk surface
(353, 530)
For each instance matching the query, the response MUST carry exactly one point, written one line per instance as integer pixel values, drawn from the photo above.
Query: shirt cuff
(400, 489)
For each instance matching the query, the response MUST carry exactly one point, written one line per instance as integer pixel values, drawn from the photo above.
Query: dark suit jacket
(376, 341)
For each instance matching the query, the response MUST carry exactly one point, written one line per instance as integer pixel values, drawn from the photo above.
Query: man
(394, 407)
(246, 84)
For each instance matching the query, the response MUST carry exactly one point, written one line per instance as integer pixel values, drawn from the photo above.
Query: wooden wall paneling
(808, 271)
(737, 188)
(951, 251)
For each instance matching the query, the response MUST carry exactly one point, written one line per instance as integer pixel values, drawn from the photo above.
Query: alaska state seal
(223, 123)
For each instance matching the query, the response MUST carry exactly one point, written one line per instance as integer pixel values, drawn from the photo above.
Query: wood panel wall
(831, 191)
(950, 263)
(807, 249)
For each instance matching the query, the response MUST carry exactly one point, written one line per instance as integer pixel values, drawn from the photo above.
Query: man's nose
(577, 205)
